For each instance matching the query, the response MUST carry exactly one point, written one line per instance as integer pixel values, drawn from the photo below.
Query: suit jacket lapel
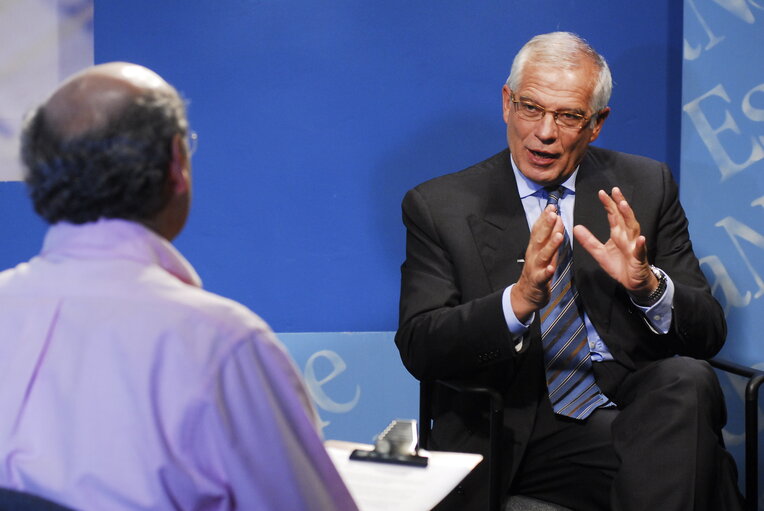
(593, 176)
(501, 233)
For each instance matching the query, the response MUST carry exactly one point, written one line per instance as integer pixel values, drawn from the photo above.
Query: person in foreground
(563, 276)
(125, 385)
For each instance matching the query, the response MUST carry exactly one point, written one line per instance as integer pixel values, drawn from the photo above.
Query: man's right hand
(531, 292)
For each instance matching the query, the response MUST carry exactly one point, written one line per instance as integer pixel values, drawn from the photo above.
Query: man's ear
(598, 124)
(506, 102)
(178, 177)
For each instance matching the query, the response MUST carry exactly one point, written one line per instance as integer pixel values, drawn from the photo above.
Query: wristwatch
(653, 298)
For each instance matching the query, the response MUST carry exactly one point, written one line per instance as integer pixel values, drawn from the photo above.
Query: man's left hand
(624, 255)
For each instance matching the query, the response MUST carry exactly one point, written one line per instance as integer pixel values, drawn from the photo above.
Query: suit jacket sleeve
(451, 320)
(441, 332)
(698, 327)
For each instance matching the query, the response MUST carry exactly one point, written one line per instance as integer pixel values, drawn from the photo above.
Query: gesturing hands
(624, 255)
(532, 289)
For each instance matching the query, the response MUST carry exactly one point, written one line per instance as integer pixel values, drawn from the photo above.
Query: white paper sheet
(387, 487)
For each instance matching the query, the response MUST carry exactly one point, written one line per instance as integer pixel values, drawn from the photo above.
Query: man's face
(543, 151)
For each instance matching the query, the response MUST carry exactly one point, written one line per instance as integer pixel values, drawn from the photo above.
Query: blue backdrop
(722, 161)
(315, 117)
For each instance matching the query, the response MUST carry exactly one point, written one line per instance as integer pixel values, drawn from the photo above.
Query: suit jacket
(466, 232)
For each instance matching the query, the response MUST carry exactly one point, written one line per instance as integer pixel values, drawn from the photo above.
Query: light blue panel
(722, 168)
(356, 379)
(43, 42)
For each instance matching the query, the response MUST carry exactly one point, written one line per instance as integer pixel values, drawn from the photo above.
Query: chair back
(13, 500)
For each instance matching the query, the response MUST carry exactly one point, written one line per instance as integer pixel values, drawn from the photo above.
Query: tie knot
(554, 193)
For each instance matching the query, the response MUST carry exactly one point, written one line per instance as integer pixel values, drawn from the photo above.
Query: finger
(606, 201)
(631, 229)
(542, 262)
(543, 252)
(543, 275)
(548, 253)
(587, 240)
(544, 226)
(546, 235)
(630, 219)
(597, 250)
(640, 249)
(614, 216)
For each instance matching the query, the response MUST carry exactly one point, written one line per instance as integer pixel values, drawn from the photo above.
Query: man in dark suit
(608, 402)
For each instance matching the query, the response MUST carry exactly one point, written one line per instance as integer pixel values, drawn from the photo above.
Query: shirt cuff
(516, 328)
(659, 315)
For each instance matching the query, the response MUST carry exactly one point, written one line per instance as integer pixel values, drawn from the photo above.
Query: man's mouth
(542, 158)
(542, 154)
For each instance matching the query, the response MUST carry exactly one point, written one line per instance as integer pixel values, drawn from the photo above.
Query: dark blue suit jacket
(465, 234)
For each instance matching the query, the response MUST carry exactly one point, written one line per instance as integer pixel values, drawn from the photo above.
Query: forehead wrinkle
(557, 89)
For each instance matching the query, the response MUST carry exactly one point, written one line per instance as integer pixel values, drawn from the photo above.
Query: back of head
(563, 50)
(101, 145)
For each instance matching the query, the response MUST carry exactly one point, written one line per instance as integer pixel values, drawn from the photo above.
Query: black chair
(755, 379)
(493, 460)
(496, 419)
(13, 500)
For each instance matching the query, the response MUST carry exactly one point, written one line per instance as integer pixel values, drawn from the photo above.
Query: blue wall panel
(314, 118)
(356, 381)
(722, 161)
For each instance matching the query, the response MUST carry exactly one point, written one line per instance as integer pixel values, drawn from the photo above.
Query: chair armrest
(734, 368)
(496, 423)
(494, 397)
(755, 379)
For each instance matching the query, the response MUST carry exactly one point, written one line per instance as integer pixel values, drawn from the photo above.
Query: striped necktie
(567, 360)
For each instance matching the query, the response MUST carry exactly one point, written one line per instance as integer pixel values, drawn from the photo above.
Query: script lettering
(710, 136)
(315, 385)
(738, 8)
(750, 111)
(693, 52)
(720, 280)
(737, 230)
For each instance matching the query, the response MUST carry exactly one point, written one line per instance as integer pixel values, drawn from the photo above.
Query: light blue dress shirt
(658, 316)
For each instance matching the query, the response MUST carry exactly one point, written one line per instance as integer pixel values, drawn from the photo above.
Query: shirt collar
(526, 187)
(117, 239)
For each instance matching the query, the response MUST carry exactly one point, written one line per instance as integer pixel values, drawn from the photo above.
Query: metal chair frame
(14, 500)
(496, 414)
(755, 379)
(496, 418)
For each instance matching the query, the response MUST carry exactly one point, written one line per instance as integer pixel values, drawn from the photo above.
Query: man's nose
(546, 128)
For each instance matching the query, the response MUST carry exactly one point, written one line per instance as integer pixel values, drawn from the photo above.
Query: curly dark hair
(114, 171)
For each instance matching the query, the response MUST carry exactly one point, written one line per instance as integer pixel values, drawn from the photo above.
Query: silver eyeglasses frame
(531, 111)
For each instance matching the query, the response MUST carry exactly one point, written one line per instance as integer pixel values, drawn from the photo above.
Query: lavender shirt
(125, 386)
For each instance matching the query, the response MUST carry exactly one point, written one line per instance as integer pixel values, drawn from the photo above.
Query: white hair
(563, 50)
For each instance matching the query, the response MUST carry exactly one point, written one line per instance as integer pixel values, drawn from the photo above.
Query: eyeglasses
(531, 111)
(192, 140)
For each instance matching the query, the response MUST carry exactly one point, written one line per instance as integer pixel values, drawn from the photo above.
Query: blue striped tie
(567, 360)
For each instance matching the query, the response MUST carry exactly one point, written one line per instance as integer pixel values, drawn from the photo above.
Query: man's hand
(624, 255)
(531, 292)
